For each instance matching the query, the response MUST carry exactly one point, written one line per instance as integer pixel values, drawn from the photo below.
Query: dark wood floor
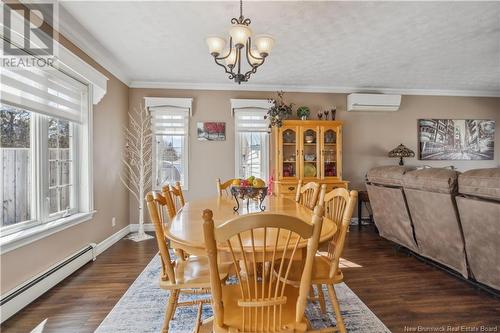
(400, 289)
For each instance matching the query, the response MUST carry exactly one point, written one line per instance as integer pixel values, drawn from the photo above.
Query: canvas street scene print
(452, 139)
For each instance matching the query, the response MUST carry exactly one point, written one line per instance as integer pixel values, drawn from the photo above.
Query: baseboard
(105, 244)
(147, 227)
(22, 295)
(25, 293)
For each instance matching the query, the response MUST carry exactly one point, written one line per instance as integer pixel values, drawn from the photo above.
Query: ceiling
(429, 47)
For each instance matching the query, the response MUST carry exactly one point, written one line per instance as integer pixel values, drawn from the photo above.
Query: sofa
(388, 203)
(449, 217)
(479, 209)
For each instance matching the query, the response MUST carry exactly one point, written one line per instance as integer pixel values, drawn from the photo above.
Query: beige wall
(110, 197)
(368, 136)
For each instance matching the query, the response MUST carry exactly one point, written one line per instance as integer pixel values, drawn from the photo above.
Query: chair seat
(233, 314)
(320, 272)
(193, 273)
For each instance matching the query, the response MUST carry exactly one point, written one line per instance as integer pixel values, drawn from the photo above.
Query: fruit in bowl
(257, 182)
(236, 182)
(244, 183)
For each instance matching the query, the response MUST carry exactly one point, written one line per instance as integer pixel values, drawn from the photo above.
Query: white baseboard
(30, 290)
(147, 227)
(53, 275)
(105, 244)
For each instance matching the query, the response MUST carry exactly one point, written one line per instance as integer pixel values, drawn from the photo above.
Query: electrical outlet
(113, 221)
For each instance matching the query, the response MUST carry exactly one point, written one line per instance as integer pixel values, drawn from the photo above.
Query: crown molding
(71, 29)
(310, 89)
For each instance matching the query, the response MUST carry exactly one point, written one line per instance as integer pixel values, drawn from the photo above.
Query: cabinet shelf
(326, 148)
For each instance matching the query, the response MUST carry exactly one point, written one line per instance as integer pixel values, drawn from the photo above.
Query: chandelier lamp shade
(241, 47)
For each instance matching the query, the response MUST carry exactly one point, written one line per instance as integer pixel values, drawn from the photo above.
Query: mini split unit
(373, 102)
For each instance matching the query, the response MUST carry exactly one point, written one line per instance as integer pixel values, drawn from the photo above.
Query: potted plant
(303, 112)
(279, 111)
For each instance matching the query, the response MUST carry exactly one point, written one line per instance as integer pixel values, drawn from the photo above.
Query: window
(170, 126)
(252, 143)
(44, 127)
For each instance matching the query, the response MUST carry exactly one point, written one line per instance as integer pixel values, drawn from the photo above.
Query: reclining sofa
(440, 214)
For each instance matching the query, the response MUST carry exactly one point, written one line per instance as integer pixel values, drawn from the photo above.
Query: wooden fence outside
(15, 183)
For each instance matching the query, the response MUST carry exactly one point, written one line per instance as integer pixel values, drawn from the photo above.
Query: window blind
(170, 120)
(250, 120)
(44, 90)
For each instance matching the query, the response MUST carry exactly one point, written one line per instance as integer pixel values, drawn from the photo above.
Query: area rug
(141, 309)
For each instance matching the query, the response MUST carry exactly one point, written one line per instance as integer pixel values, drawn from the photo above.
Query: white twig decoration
(137, 161)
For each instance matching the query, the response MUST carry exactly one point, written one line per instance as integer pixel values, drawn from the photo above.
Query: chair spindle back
(222, 188)
(307, 195)
(157, 205)
(258, 242)
(177, 196)
(339, 205)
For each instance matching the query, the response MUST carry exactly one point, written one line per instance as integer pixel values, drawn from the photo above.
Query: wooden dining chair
(177, 196)
(307, 194)
(169, 201)
(259, 301)
(339, 205)
(188, 276)
(222, 188)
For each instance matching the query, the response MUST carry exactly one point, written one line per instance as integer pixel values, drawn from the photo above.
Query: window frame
(177, 106)
(185, 161)
(259, 106)
(265, 152)
(39, 165)
(75, 67)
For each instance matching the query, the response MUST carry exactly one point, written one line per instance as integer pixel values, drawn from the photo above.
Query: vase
(303, 117)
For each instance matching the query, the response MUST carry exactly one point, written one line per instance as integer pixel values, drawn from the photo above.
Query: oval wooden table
(185, 231)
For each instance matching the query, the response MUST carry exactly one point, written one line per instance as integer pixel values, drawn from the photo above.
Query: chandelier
(240, 44)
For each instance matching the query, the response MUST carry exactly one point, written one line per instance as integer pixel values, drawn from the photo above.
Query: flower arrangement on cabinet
(279, 111)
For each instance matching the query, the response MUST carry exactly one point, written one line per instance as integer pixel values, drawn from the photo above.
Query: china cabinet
(310, 150)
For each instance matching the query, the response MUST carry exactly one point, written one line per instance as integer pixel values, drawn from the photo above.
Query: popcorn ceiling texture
(398, 45)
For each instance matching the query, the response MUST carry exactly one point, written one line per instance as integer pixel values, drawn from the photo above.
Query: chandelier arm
(230, 50)
(222, 65)
(248, 54)
(249, 47)
(253, 70)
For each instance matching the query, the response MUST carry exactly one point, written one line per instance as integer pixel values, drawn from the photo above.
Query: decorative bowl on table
(244, 191)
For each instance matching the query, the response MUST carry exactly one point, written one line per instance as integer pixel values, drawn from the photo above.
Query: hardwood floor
(400, 289)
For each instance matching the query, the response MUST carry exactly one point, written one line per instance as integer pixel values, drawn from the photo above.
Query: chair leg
(321, 298)
(169, 311)
(199, 322)
(336, 308)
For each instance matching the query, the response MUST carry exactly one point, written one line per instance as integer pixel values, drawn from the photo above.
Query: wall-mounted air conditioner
(373, 102)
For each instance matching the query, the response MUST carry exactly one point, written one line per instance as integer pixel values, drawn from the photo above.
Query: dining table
(185, 230)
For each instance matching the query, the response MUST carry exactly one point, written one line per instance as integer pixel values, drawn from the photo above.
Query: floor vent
(26, 293)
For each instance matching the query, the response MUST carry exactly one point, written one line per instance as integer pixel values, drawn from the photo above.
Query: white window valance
(63, 59)
(169, 115)
(47, 91)
(263, 104)
(249, 114)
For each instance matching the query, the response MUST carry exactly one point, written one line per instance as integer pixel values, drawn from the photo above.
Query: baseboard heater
(27, 292)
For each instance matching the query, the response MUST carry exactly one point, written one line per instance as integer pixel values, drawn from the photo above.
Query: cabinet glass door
(290, 151)
(329, 153)
(309, 153)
